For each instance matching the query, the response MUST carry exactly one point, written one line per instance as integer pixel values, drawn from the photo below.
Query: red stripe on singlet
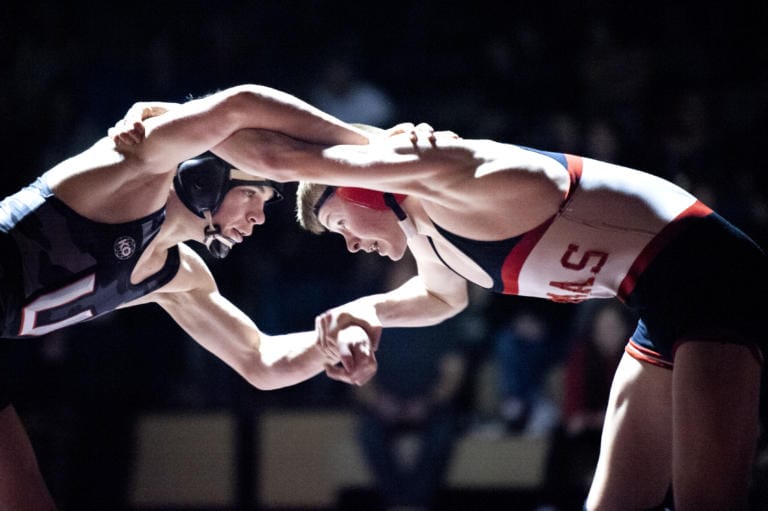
(575, 167)
(513, 263)
(652, 249)
(645, 355)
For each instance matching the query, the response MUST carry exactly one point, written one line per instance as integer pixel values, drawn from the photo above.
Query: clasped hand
(352, 341)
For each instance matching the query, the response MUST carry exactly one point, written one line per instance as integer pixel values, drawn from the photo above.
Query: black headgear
(201, 183)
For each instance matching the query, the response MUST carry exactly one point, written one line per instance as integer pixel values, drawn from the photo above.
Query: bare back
(499, 191)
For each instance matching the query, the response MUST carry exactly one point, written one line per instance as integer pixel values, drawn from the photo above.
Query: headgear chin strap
(217, 244)
(201, 183)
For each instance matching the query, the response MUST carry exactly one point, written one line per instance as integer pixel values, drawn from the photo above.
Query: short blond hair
(307, 196)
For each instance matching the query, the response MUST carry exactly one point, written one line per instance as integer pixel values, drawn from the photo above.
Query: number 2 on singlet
(62, 296)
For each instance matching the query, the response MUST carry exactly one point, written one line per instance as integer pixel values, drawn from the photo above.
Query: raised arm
(389, 164)
(193, 127)
(471, 177)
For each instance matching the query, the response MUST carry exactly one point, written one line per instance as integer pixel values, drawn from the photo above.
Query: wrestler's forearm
(289, 359)
(413, 305)
(200, 124)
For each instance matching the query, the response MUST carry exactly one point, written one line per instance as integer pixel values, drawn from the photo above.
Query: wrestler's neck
(180, 224)
(418, 216)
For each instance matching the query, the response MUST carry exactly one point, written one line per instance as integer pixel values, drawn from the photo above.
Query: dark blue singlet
(58, 268)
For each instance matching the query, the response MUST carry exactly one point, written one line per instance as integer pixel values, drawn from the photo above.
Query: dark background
(681, 86)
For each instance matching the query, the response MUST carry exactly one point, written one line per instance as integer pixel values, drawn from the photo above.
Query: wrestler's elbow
(277, 373)
(450, 305)
(258, 106)
(263, 378)
(273, 380)
(457, 306)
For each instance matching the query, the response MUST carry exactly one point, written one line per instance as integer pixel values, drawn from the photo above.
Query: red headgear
(367, 198)
(371, 199)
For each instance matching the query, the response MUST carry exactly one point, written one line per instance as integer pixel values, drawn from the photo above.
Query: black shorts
(704, 286)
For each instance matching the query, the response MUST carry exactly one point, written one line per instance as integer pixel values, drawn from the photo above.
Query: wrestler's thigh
(21, 485)
(716, 392)
(634, 468)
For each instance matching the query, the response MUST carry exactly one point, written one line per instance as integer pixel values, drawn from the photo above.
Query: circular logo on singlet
(124, 247)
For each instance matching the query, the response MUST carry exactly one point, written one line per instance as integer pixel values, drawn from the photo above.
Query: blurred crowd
(677, 89)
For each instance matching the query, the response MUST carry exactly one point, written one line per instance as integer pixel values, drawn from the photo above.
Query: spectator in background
(342, 93)
(526, 348)
(592, 359)
(590, 365)
(409, 415)
(602, 140)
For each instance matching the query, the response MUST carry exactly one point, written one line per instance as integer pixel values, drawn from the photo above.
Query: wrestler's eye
(259, 192)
